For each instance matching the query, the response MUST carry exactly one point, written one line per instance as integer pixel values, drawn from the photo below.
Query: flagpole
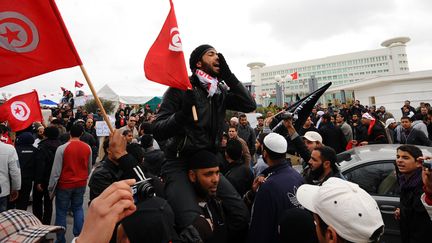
(98, 102)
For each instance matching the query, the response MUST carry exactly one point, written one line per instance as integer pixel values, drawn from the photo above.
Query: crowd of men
(164, 177)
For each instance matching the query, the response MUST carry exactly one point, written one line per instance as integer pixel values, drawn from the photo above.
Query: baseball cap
(350, 210)
(389, 121)
(313, 136)
(276, 143)
(367, 116)
(22, 226)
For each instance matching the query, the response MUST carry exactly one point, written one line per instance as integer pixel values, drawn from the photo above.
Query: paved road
(69, 219)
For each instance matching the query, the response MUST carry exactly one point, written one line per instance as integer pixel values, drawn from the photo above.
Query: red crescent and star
(11, 35)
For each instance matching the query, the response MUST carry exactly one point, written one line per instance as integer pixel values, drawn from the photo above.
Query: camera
(143, 190)
(288, 115)
(427, 163)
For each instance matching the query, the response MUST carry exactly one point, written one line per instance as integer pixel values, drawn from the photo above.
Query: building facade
(340, 70)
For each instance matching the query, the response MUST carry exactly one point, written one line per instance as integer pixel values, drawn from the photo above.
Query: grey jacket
(9, 168)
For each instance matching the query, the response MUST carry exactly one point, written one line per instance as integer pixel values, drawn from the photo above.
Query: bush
(91, 106)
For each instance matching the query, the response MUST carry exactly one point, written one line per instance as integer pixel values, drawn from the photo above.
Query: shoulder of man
(7, 148)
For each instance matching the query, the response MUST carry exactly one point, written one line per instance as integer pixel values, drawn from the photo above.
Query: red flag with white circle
(33, 40)
(21, 111)
(165, 63)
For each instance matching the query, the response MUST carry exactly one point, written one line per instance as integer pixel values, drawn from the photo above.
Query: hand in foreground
(117, 145)
(427, 177)
(397, 214)
(110, 207)
(257, 182)
(225, 71)
(13, 195)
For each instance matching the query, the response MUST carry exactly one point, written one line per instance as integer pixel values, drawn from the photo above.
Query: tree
(91, 106)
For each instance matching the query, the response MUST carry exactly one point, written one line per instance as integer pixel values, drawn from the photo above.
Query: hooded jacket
(45, 159)
(26, 155)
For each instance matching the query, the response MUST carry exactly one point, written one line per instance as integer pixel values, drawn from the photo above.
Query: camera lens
(145, 190)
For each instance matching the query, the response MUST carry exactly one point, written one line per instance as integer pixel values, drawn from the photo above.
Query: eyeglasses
(132, 120)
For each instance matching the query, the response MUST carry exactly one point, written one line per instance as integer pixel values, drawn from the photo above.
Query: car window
(377, 178)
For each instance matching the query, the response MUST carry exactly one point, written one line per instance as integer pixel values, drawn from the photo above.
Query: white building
(340, 69)
(391, 91)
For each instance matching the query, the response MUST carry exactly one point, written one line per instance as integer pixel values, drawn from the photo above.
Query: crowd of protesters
(216, 179)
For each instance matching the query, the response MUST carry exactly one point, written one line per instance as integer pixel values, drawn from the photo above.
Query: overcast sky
(112, 37)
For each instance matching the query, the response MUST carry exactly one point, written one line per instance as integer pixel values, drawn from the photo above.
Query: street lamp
(281, 83)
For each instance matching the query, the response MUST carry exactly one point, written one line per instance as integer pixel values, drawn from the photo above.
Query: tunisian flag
(294, 75)
(21, 111)
(165, 62)
(33, 40)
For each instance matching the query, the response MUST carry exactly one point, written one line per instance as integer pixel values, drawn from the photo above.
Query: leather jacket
(189, 137)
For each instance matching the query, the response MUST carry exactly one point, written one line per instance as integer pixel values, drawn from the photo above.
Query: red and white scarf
(208, 82)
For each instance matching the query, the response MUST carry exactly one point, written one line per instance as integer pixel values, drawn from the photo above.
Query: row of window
(333, 77)
(336, 71)
(326, 66)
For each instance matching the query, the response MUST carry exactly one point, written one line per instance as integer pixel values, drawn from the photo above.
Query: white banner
(102, 129)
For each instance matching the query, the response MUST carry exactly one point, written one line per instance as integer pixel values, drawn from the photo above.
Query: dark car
(372, 167)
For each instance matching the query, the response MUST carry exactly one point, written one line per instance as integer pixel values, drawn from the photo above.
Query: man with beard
(332, 135)
(185, 137)
(357, 127)
(246, 132)
(260, 126)
(204, 176)
(322, 166)
(307, 126)
(42, 203)
(346, 129)
(246, 155)
(302, 145)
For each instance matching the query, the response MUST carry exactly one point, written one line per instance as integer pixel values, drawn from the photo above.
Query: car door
(378, 178)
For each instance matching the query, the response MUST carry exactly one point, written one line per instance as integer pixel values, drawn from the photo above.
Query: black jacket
(273, 197)
(240, 176)
(186, 138)
(103, 176)
(333, 136)
(153, 160)
(377, 135)
(248, 134)
(415, 223)
(27, 159)
(44, 160)
(414, 136)
(107, 173)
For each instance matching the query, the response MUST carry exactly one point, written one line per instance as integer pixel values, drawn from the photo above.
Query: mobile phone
(427, 163)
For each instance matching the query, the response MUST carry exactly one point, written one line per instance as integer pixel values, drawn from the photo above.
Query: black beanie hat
(196, 55)
(52, 132)
(234, 149)
(25, 138)
(153, 221)
(203, 159)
